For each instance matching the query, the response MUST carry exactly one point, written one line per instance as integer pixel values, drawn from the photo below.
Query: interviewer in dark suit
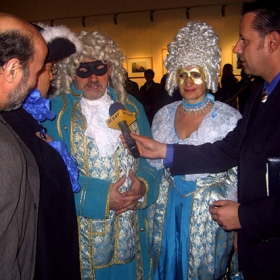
(256, 216)
(22, 54)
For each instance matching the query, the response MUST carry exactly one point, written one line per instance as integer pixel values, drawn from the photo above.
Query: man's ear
(273, 39)
(11, 69)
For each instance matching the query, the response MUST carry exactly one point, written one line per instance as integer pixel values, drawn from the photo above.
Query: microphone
(120, 118)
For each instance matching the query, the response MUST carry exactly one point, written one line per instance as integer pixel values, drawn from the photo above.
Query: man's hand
(147, 147)
(225, 213)
(138, 189)
(116, 198)
(46, 137)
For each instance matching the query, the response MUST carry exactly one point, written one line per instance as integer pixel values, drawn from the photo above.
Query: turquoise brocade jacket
(106, 239)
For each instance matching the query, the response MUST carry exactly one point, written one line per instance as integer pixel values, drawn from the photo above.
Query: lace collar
(96, 113)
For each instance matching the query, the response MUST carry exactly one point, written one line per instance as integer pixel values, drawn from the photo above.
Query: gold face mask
(196, 75)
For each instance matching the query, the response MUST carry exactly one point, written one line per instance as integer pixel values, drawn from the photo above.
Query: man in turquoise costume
(116, 188)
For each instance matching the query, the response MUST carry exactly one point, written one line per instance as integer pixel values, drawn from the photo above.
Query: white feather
(51, 32)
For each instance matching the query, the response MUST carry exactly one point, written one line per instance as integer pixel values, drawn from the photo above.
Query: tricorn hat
(60, 40)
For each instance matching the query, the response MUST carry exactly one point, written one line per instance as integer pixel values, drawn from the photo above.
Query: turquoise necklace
(197, 107)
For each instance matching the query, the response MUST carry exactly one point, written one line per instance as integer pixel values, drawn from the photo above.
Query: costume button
(142, 229)
(35, 206)
(65, 127)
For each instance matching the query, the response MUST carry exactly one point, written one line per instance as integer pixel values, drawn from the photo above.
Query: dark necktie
(264, 96)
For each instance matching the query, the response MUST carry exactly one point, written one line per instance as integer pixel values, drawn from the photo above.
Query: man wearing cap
(22, 54)
(57, 255)
(112, 220)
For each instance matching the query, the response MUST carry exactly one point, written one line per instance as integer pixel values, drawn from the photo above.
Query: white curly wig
(96, 46)
(195, 45)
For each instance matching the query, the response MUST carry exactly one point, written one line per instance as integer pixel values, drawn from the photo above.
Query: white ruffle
(97, 112)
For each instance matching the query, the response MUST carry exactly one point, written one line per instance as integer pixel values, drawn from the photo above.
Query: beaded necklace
(198, 107)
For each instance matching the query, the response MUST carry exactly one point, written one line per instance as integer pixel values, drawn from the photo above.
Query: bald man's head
(22, 54)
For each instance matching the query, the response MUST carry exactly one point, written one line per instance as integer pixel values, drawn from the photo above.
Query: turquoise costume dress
(186, 243)
(111, 246)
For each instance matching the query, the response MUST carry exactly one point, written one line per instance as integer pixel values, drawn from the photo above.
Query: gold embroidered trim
(164, 190)
(76, 94)
(81, 204)
(116, 166)
(108, 202)
(59, 116)
(170, 181)
(88, 224)
(149, 253)
(77, 110)
(86, 158)
(72, 125)
(91, 249)
(79, 235)
(97, 233)
(151, 266)
(116, 247)
(114, 262)
(137, 247)
(128, 101)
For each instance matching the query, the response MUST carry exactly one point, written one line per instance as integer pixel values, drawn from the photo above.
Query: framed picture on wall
(137, 66)
(164, 54)
(235, 63)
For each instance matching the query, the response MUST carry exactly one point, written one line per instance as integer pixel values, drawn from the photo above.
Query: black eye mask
(86, 69)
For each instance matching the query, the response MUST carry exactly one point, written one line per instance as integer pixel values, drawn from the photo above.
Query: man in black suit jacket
(22, 54)
(149, 94)
(256, 216)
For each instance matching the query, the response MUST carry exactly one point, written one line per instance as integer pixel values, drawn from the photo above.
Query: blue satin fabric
(193, 246)
(70, 162)
(39, 108)
(174, 250)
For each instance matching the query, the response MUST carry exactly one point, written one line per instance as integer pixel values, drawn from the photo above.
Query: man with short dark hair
(149, 94)
(255, 139)
(22, 54)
